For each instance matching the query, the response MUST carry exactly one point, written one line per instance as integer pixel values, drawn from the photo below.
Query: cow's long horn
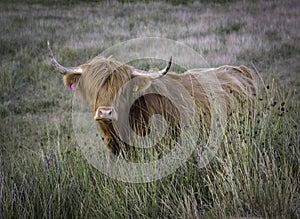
(153, 75)
(63, 70)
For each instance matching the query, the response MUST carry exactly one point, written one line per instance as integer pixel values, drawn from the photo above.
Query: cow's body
(99, 82)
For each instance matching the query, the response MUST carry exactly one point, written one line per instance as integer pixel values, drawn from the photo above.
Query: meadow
(43, 174)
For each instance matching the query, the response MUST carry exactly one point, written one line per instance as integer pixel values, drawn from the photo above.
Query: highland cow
(100, 80)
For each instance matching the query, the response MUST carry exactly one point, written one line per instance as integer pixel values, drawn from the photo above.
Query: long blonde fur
(104, 77)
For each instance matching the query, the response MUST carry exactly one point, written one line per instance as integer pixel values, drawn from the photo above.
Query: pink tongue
(72, 87)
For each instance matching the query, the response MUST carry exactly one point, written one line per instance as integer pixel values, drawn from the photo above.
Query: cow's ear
(71, 79)
(141, 84)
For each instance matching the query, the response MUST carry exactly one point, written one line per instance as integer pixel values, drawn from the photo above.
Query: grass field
(43, 173)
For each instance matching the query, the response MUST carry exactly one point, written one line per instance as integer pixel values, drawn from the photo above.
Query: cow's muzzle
(105, 113)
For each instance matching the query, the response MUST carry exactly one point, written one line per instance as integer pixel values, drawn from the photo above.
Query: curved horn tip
(167, 68)
(54, 62)
(50, 50)
(169, 64)
(48, 45)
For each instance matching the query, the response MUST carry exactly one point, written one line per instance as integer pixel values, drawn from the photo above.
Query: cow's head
(99, 81)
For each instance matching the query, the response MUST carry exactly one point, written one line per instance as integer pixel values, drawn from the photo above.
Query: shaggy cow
(100, 80)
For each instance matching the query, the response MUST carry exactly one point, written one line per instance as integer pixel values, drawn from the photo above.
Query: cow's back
(234, 85)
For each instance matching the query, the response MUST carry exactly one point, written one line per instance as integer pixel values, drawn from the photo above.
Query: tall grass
(44, 174)
(254, 174)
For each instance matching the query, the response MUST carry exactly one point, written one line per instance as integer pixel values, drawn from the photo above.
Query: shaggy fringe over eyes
(102, 80)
